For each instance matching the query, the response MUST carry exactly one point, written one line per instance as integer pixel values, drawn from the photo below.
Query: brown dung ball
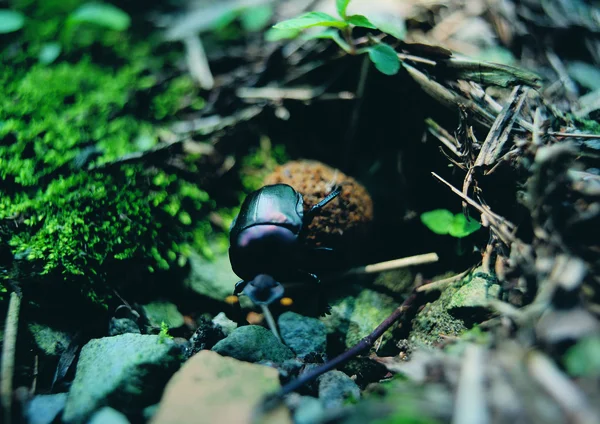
(345, 219)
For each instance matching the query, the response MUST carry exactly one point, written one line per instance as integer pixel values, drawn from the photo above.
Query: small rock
(50, 342)
(309, 411)
(150, 411)
(356, 317)
(122, 326)
(336, 388)
(211, 278)
(473, 295)
(211, 389)
(127, 372)
(108, 415)
(205, 337)
(253, 343)
(43, 409)
(304, 335)
(161, 311)
(227, 325)
(399, 281)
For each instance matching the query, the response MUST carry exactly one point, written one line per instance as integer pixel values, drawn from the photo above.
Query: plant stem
(8, 354)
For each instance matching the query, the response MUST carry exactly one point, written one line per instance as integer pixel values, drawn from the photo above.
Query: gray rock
(127, 372)
(304, 335)
(122, 326)
(309, 411)
(108, 415)
(214, 279)
(356, 317)
(336, 388)
(475, 292)
(227, 325)
(253, 343)
(205, 337)
(43, 409)
(51, 342)
(150, 411)
(161, 311)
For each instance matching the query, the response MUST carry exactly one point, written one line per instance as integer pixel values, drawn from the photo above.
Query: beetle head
(262, 289)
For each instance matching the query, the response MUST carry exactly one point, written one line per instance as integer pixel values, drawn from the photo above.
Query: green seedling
(442, 221)
(383, 56)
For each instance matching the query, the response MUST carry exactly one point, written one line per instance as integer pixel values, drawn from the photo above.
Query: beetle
(266, 239)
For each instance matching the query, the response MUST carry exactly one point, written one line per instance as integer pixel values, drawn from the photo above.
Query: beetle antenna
(308, 217)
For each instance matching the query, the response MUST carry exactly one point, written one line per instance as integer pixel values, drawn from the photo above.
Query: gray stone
(356, 317)
(336, 389)
(127, 372)
(253, 343)
(227, 325)
(108, 415)
(43, 409)
(309, 411)
(214, 279)
(162, 311)
(51, 342)
(475, 292)
(122, 326)
(304, 335)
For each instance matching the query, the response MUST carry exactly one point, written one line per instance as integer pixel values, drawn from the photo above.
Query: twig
(439, 284)
(395, 264)
(498, 134)
(502, 225)
(278, 93)
(365, 344)
(354, 118)
(564, 392)
(470, 406)
(8, 354)
(197, 62)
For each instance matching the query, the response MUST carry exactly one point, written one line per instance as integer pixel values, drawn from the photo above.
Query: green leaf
(256, 18)
(438, 220)
(331, 34)
(102, 14)
(390, 24)
(461, 227)
(360, 21)
(585, 74)
(385, 58)
(342, 5)
(49, 52)
(583, 359)
(11, 21)
(275, 34)
(311, 19)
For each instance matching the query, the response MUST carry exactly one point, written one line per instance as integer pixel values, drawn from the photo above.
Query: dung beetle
(266, 239)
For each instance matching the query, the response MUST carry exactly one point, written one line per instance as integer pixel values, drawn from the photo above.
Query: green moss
(260, 162)
(62, 216)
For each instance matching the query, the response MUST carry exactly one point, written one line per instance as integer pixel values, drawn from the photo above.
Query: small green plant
(442, 221)
(164, 332)
(383, 56)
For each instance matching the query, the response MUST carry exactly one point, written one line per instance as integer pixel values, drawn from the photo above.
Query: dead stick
(365, 344)
(395, 264)
(8, 354)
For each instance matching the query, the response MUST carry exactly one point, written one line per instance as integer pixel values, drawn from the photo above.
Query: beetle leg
(239, 287)
(308, 217)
